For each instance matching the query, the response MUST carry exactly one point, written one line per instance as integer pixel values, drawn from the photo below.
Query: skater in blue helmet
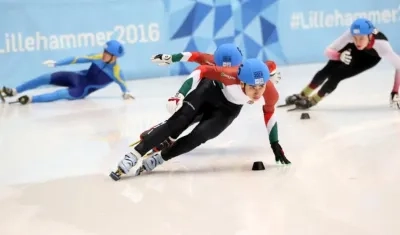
(220, 102)
(359, 49)
(102, 71)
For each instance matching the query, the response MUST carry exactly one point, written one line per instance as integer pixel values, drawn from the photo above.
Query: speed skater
(103, 70)
(359, 49)
(224, 51)
(220, 95)
(204, 59)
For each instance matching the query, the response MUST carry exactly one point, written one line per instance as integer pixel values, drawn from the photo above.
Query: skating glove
(346, 57)
(276, 77)
(394, 100)
(50, 63)
(127, 96)
(162, 59)
(279, 154)
(175, 103)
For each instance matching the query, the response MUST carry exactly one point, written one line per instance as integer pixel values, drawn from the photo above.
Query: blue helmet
(114, 48)
(253, 72)
(362, 26)
(227, 55)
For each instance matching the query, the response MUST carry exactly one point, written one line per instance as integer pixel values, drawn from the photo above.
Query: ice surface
(55, 159)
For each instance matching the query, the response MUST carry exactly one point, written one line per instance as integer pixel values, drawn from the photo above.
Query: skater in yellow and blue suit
(103, 71)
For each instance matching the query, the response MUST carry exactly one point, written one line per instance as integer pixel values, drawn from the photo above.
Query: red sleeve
(226, 75)
(271, 66)
(202, 58)
(271, 97)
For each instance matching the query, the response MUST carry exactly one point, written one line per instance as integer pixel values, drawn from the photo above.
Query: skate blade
(116, 175)
(293, 109)
(135, 143)
(284, 105)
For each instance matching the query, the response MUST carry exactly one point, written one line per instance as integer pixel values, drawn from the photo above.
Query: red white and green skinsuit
(227, 79)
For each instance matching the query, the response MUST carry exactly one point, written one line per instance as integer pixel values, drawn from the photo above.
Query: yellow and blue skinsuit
(80, 84)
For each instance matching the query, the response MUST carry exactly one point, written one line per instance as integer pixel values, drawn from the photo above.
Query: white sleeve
(385, 51)
(341, 41)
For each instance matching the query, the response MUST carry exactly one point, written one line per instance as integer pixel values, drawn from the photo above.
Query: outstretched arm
(78, 60)
(385, 50)
(271, 97)
(119, 78)
(197, 57)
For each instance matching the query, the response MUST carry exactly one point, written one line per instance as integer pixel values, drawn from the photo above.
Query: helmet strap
(243, 86)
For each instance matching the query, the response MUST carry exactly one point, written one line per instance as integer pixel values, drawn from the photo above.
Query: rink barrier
(289, 32)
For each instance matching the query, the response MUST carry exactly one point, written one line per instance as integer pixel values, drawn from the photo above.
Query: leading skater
(226, 55)
(220, 105)
(360, 48)
(103, 71)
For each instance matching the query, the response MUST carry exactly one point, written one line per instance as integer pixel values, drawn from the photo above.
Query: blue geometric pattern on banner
(233, 21)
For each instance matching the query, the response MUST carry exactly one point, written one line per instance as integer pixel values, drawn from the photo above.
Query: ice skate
(304, 104)
(291, 100)
(394, 100)
(3, 100)
(125, 165)
(8, 92)
(23, 100)
(152, 162)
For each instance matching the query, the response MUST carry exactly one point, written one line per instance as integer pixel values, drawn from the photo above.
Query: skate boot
(125, 165)
(3, 100)
(152, 162)
(24, 99)
(290, 100)
(8, 91)
(304, 103)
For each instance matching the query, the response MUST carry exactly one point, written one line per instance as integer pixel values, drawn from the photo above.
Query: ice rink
(344, 179)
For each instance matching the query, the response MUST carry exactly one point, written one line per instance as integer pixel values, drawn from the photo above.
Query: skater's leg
(197, 119)
(32, 84)
(337, 77)
(53, 96)
(63, 94)
(67, 79)
(170, 140)
(321, 76)
(318, 79)
(212, 125)
(360, 65)
(179, 121)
